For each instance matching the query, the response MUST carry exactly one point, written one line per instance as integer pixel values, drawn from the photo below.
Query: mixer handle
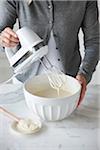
(9, 53)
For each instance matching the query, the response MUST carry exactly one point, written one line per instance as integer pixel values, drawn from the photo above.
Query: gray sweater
(64, 18)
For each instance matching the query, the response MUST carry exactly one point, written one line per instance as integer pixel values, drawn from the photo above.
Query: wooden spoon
(9, 114)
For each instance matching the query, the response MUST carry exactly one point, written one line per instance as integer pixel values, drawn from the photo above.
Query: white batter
(52, 93)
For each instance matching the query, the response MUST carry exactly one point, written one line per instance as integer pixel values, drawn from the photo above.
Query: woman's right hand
(8, 38)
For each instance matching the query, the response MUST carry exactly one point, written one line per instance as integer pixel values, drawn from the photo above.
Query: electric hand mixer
(33, 49)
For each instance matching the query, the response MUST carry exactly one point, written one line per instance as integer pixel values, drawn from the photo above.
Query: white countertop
(80, 131)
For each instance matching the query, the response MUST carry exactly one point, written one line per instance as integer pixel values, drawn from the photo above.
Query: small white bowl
(51, 109)
(14, 127)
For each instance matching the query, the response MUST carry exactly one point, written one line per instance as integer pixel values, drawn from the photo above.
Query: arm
(90, 27)
(8, 17)
(8, 14)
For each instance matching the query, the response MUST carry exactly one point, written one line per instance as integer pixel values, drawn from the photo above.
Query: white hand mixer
(33, 49)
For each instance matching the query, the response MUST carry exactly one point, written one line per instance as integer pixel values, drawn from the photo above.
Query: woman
(59, 22)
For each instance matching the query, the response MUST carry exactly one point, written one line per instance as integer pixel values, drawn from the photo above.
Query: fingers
(8, 38)
(6, 43)
(82, 81)
(82, 94)
(11, 32)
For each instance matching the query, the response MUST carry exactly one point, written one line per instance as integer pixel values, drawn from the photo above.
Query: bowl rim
(51, 98)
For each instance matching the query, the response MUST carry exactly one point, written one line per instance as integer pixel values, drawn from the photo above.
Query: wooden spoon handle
(9, 114)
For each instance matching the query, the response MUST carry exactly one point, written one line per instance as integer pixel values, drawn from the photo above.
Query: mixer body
(32, 49)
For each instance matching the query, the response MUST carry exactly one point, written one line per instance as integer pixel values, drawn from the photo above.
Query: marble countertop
(80, 131)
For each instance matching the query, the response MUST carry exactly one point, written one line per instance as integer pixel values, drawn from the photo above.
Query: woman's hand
(8, 38)
(83, 83)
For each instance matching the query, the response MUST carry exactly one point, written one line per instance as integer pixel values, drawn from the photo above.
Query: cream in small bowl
(26, 126)
(45, 101)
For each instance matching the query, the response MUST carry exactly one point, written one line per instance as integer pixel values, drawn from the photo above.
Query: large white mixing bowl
(51, 109)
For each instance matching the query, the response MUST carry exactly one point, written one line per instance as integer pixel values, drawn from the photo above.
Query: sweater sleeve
(90, 27)
(8, 15)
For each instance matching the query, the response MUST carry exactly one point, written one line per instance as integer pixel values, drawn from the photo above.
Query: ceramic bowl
(51, 109)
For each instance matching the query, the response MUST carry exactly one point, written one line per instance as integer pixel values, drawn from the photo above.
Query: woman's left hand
(83, 83)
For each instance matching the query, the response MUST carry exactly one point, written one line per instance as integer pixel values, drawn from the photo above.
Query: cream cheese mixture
(27, 126)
